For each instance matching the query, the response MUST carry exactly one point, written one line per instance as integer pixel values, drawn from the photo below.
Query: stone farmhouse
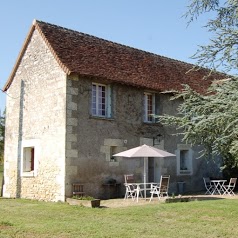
(74, 100)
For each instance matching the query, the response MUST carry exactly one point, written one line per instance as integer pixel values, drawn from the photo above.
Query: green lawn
(208, 219)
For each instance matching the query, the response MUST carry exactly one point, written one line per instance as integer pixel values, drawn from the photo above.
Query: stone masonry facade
(91, 141)
(36, 109)
(51, 111)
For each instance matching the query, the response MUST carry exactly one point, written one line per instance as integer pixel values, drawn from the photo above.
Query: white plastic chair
(208, 185)
(230, 187)
(162, 188)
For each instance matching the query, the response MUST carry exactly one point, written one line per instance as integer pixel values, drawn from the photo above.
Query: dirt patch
(4, 227)
(114, 203)
(120, 202)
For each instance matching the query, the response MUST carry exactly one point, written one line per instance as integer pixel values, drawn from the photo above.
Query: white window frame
(26, 145)
(147, 110)
(189, 164)
(96, 110)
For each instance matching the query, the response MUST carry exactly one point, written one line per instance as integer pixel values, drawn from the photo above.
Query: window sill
(113, 163)
(28, 174)
(185, 172)
(151, 122)
(101, 118)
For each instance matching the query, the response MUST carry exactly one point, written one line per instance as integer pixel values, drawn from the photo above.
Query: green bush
(88, 198)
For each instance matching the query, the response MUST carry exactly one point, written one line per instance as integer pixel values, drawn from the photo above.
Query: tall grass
(210, 219)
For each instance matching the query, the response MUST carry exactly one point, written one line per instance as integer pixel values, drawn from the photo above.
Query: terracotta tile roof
(87, 55)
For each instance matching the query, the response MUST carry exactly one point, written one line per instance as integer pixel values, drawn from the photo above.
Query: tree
(211, 119)
(2, 135)
(222, 51)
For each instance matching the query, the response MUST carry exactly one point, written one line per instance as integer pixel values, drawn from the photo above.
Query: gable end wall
(36, 111)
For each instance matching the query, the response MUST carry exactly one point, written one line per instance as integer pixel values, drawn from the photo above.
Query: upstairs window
(149, 107)
(101, 100)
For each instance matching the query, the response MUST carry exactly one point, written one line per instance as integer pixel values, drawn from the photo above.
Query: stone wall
(36, 110)
(46, 106)
(91, 141)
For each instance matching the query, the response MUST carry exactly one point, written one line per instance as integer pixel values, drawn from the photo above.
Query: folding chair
(230, 187)
(208, 185)
(161, 189)
(130, 188)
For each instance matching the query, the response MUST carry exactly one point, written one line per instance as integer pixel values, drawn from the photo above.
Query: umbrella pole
(145, 165)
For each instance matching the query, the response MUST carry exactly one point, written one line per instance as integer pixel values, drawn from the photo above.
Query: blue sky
(156, 26)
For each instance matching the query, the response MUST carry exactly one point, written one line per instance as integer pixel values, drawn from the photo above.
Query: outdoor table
(218, 186)
(142, 187)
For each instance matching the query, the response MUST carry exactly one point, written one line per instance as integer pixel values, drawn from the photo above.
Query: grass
(210, 218)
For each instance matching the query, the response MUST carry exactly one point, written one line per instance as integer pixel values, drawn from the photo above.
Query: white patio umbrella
(146, 152)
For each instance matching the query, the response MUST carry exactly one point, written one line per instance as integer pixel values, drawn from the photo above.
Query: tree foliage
(211, 119)
(222, 51)
(2, 135)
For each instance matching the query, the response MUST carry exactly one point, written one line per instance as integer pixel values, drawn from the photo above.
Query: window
(149, 107)
(101, 103)
(184, 159)
(28, 159)
(30, 149)
(113, 150)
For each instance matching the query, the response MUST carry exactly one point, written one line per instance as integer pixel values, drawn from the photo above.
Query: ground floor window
(113, 150)
(29, 158)
(184, 156)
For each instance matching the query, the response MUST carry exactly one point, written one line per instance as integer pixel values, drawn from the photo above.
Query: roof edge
(64, 68)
